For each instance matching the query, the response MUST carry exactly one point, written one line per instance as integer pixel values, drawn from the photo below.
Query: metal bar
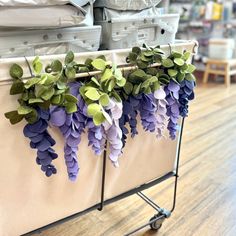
(140, 188)
(149, 201)
(177, 165)
(100, 208)
(122, 67)
(109, 201)
(144, 225)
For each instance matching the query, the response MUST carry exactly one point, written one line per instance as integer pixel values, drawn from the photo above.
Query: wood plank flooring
(206, 201)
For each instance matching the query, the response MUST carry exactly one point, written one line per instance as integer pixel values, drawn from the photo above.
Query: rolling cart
(55, 200)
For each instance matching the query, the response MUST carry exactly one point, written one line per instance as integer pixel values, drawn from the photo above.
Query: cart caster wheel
(156, 225)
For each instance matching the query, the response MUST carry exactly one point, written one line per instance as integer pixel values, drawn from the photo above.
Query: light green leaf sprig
(43, 89)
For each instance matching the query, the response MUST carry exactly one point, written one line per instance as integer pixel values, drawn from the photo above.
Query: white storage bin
(45, 14)
(44, 42)
(221, 48)
(125, 32)
(127, 4)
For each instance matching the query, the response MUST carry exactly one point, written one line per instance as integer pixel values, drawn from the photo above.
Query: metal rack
(156, 221)
(103, 192)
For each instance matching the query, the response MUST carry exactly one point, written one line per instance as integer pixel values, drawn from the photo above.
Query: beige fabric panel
(145, 158)
(28, 199)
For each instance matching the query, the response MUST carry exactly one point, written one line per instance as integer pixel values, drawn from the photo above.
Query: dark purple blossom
(186, 94)
(42, 141)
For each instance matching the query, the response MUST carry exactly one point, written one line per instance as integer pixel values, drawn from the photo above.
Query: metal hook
(170, 49)
(29, 67)
(195, 47)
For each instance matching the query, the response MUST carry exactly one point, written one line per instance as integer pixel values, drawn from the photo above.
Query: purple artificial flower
(42, 141)
(172, 96)
(161, 102)
(96, 137)
(113, 131)
(186, 94)
(71, 126)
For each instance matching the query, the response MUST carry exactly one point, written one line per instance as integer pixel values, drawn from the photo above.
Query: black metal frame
(162, 212)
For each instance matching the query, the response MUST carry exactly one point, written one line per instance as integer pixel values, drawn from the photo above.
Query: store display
(103, 103)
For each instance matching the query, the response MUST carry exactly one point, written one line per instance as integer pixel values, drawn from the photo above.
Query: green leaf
(180, 77)
(128, 88)
(71, 98)
(49, 80)
(151, 71)
(37, 65)
(61, 85)
(118, 74)
(17, 87)
(186, 56)
(164, 79)
(121, 82)
(83, 69)
(158, 51)
(69, 57)
(29, 83)
(141, 64)
(190, 77)
(35, 100)
(92, 94)
(93, 108)
(95, 81)
(184, 67)
(104, 100)
(99, 64)
(137, 76)
(102, 57)
(176, 54)
(39, 90)
(156, 86)
(88, 62)
(191, 68)
(14, 117)
(144, 58)
(148, 53)
(47, 94)
(106, 75)
(16, 72)
(45, 105)
(136, 89)
(168, 63)
(116, 96)
(24, 110)
(70, 72)
(70, 107)
(32, 117)
(179, 61)
(56, 100)
(111, 85)
(98, 118)
(56, 66)
(136, 50)
(132, 56)
(25, 96)
(172, 73)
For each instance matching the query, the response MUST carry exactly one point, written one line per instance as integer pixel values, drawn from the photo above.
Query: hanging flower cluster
(106, 107)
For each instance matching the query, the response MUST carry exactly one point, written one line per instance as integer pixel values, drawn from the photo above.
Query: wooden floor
(206, 203)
